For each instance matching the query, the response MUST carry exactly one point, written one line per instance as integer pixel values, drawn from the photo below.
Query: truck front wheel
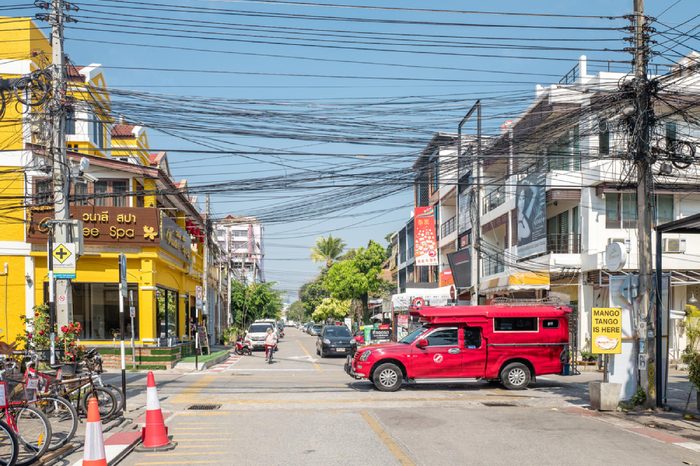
(387, 377)
(516, 376)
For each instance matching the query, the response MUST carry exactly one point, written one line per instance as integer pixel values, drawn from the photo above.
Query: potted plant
(68, 340)
(36, 334)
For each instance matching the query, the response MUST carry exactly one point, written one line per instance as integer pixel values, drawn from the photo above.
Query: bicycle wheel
(106, 402)
(33, 433)
(117, 395)
(9, 446)
(63, 419)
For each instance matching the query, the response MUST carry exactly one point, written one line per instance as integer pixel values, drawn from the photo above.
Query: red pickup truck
(508, 343)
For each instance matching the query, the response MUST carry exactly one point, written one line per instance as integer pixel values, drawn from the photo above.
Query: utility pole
(205, 285)
(641, 134)
(63, 310)
(476, 226)
(229, 319)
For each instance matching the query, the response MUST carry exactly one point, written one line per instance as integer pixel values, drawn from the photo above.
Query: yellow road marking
(316, 366)
(234, 401)
(193, 389)
(171, 453)
(149, 463)
(387, 440)
(197, 446)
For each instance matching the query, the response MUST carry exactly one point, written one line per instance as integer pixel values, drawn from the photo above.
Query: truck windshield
(411, 337)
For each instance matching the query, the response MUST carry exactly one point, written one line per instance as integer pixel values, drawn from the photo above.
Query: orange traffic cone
(155, 434)
(94, 443)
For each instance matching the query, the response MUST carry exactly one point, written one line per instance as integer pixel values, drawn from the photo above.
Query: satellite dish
(615, 257)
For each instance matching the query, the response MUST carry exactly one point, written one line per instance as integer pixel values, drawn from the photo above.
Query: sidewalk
(680, 419)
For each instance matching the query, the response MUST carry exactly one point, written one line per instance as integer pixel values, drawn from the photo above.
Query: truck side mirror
(422, 343)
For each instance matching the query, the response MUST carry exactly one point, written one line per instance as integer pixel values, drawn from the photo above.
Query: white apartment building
(558, 186)
(241, 241)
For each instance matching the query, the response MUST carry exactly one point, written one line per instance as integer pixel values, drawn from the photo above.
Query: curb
(203, 366)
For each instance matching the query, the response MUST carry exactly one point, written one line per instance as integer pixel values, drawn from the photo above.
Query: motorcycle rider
(270, 343)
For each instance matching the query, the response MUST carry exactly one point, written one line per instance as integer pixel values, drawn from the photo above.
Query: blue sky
(287, 244)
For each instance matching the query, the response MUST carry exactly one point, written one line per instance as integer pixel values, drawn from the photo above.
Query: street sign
(606, 330)
(122, 275)
(199, 297)
(64, 260)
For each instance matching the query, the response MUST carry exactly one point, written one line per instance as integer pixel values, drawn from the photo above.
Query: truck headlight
(365, 355)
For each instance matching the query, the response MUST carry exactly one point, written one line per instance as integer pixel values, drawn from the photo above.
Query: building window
(98, 131)
(621, 209)
(96, 307)
(565, 154)
(603, 137)
(435, 176)
(166, 302)
(70, 121)
(79, 193)
(515, 324)
(671, 135)
(664, 208)
(138, 187)
(43, 192)
(111, 193)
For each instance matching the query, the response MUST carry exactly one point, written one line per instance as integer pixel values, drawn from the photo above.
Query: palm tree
(327, 250)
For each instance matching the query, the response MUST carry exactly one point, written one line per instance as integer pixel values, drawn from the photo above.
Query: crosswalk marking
(225, 365)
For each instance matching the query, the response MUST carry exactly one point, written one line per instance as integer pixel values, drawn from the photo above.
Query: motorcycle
(243, 347)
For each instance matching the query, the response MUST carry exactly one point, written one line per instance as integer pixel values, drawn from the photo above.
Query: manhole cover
(497, 404)
(204, 407)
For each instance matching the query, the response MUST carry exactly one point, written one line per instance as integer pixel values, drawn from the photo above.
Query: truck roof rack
(548, 301)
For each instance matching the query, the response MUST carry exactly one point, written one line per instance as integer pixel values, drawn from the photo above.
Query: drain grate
(498, 404)
(204, 407)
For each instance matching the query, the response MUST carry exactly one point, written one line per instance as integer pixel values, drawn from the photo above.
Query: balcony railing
(493, 264)
(494, 199)
(448, 227)
(564, 243)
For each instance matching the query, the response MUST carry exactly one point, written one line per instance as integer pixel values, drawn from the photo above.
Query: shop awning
(431, 296)
(685, 277)
(516, 281)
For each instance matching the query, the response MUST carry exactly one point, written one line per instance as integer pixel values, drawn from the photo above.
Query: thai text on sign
(606, 330)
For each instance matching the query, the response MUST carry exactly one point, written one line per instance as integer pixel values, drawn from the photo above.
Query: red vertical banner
(424, 236)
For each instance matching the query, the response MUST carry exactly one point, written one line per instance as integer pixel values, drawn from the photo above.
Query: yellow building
(130, 205)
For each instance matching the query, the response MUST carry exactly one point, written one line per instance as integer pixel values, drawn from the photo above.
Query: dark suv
(334, 339)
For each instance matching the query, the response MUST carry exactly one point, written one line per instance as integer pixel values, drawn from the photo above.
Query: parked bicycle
(30, 425)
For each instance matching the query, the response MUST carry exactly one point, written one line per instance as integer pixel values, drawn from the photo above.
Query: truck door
(441, 358)
(474, 352)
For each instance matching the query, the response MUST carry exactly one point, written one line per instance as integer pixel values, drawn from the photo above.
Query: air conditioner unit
(616, 240)
(674, 245)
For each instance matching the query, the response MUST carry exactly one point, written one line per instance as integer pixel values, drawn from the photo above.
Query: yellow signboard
(606, 330)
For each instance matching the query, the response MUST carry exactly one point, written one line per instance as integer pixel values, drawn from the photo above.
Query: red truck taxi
(509, 343)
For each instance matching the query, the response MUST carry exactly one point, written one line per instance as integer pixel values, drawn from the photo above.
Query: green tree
(312, 293)
(296, 312)
(254, 301)
(358, 277)
(327, 250)
(331, 308)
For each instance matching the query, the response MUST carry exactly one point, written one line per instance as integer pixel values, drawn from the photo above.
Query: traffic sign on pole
(64, 260)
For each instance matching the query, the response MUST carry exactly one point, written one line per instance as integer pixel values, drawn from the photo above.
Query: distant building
(241, 241)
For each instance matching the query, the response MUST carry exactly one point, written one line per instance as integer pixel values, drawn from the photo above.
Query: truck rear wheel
(516, 376)
(387, 377)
